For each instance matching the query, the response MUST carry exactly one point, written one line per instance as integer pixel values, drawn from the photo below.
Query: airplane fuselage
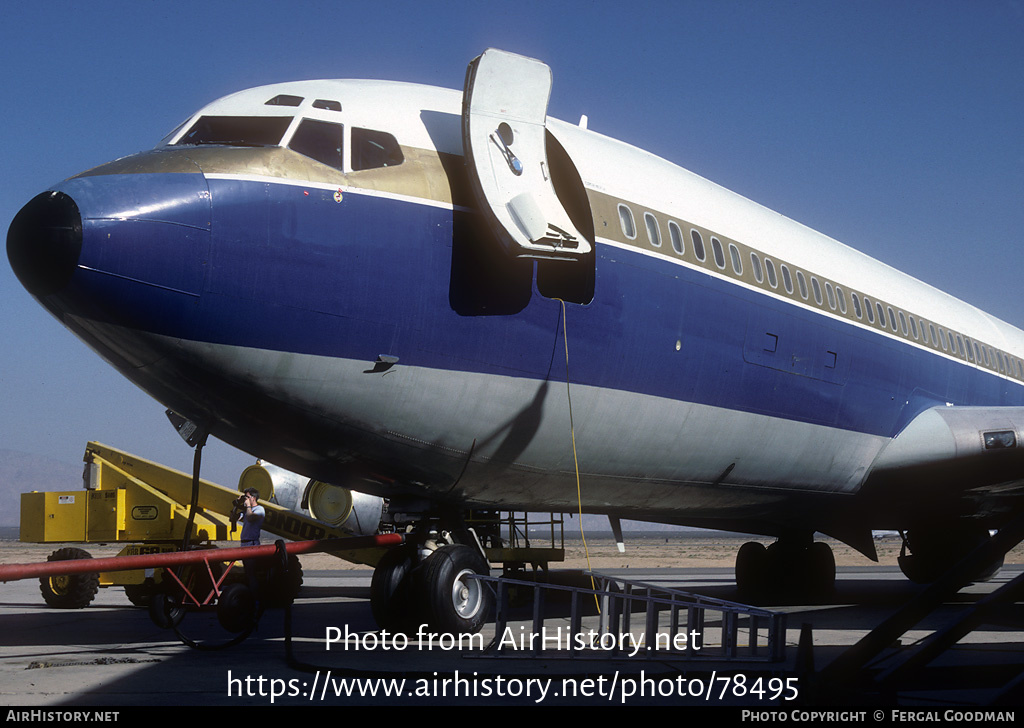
(346, 315)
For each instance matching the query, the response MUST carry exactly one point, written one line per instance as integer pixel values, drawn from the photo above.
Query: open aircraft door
(504, 135)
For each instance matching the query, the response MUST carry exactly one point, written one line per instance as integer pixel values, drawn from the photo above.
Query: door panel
(503, 129)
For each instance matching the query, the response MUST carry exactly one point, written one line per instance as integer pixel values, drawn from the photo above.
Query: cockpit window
(372, 149)
(167, 137)
(284, 100)
(321, 140)
(237, 131)
(328, 104)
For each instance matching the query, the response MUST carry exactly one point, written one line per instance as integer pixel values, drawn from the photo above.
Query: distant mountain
(22, 472)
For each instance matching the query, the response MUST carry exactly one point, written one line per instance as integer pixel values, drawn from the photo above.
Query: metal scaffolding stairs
(611, 617)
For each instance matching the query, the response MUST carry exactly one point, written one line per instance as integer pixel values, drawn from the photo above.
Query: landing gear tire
(750, 569)
(785, 569)
(69, 591)
(934, 551)
(453, 602)
(822, 571)
(390, 590)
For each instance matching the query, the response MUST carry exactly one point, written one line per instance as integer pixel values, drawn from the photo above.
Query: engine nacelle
(349, 510)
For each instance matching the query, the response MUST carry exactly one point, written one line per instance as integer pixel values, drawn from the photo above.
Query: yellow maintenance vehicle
(145, 506)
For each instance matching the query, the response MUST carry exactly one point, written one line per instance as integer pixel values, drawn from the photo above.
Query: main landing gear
(928, 553)
(431, 583)
(789, 567)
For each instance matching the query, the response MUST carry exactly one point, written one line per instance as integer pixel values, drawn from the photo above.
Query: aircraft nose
(44, 243)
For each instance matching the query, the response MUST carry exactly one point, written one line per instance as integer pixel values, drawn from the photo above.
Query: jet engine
(349, 510)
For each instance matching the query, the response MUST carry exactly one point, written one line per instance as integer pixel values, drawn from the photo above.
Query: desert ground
(643, 551)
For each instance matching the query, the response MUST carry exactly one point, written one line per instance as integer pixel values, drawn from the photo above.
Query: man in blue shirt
(252, 516)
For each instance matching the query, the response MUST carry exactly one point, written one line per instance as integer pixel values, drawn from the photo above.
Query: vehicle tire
(390, 590)
(282, 588)
(141, 594)
(452, 603)
(236, 608)
(69, 591)
(164, 611)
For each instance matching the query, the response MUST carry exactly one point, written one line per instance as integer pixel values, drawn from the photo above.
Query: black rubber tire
(822, 571)
(164, 612)
(281, 588)
(934, 552)
(141, 594)
(236, 608)
(451, 604)
(390, 590)
(751, 565)
(71, 591)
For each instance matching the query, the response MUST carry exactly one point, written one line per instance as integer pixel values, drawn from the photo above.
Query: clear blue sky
(895, 127)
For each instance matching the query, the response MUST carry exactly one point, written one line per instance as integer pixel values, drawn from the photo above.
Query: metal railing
(619, 618)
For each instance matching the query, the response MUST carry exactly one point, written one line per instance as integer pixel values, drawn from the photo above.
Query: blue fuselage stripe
(295, 270)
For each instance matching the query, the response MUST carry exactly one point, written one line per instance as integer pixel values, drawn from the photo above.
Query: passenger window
(831, 296)
(716, 248)
(913, 327)
(698, 245)
(626, 220)
(769, 267)
(892, 319)
(960, 344)
(734, 255)
(374, 149)
(903, 324)
(977, 352)
(881, 314)
(868, 311)
(677, 237)
(755, 265)
(787, 280)
(802, 283)
(816, 288)
(934, 339)
(841, 297)
(319, 140)
(653, 231)
(856, 305)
